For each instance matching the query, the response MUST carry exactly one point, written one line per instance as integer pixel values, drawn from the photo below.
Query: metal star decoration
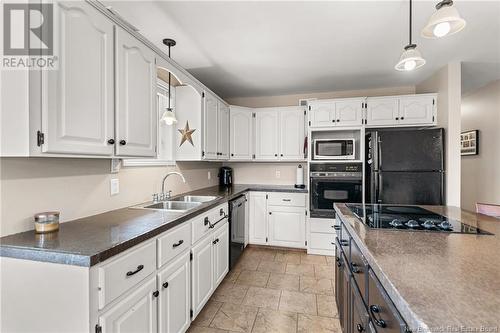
(186, 134)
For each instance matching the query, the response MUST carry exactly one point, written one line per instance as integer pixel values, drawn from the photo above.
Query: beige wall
(447, 83)
(80, 187)
(265, 173)
(290, 100)
(480, 173)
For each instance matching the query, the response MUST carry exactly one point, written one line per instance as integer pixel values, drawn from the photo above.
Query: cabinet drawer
(173, 242)
(124, 272)
(382, 311)
(359, 269)
(200, 226)
(287, 199)
(321, 241)
(322, 225)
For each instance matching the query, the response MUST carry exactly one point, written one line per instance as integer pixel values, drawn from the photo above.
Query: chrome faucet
(164, 196)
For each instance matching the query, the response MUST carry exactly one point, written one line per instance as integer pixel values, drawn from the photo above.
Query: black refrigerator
(405, 167)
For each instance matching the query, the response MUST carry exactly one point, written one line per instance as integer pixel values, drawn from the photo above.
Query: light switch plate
(116, 165)
(278, 174)
(114, 186)
(209, 175)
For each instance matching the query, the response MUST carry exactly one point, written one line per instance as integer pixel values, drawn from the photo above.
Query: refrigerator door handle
(379, 187)
(379, 153)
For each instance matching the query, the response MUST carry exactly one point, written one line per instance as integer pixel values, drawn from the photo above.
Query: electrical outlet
(114, 186)
(278, 174)
(209, 175)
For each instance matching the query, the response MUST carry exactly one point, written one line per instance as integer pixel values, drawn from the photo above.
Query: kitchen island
(437, 281)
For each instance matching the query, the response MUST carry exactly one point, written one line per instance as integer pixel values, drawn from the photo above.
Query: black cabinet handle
(123, 142)
(397, 118)
(287, 200)
(343, 242)
(355, 268)
(333, 120)
(378, 321)
(359, 328)
(165, 285)
(276, 155)
(402, 118)
(336, 227)
(232, 154)
(156, 293)
(139, 268)
(179, 243)
(215, 241)
(338, 120)
(270, 213)
(111, 141)
(339, 263)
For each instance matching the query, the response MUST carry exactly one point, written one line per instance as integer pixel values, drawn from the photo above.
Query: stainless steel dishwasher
(237, 212)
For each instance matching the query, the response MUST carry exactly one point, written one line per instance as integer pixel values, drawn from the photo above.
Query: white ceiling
(269, 48)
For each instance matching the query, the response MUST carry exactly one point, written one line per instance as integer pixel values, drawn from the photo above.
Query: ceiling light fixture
(410, 58)
(444, 22)
(168, 116)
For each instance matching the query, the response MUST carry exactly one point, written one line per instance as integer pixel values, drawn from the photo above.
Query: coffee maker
(225, 177)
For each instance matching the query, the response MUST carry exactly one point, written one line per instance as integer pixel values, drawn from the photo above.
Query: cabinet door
(349, 112)
(382, 111)
(241, 136)
(258, 218)
(137, 118)
(210, 126)
(174, 301)
(202, 273)
(287, 226)
(221, 253)
(292, 134)
(77, 99)
(223, 133)
(322, 113)
(266, 135)
(416, 110)
(135, 313)
(346, 297)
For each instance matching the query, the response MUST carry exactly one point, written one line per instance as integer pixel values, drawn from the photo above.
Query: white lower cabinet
(278, 219)
(258, 218)
(174, 305)
(135, 313)
(221, 253)
(202, 276)
(287, 226)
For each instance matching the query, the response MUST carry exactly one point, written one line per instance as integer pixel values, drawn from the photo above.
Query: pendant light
(168, 116)
(444, 22)
(410, 58)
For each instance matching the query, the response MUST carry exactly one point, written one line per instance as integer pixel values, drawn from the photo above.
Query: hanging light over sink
(445, 21)
(411, 58)
(168, 116)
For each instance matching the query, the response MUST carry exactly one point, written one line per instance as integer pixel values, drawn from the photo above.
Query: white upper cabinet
(322, 113)
(382, 111)
(292, 123)
(267, 134)
(210, 127)
(407, 110)
(336, 112)
(349, 112)
(417, 109)
(77, 99)
(241, 133)
(223, 133)
(136, 112)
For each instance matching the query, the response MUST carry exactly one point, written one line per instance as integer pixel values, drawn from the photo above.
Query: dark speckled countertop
(90, 240)
(440, 282)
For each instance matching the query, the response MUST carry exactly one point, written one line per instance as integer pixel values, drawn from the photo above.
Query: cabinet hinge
(40, 138)
(190, 256)
(433, 101)
(203, 94)
(305, 243)
(309, 108)
(253, 156)
(253, 114)
(191, 313)
(267, 196)
(306, 212)
(309, 123)
(202, 153)
(432, 118)
(305, 112)
(266, 239)
(98, 328)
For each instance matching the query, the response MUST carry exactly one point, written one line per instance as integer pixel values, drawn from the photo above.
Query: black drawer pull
(287, 200)
(378, 321)
(344, 242)
(336, 227)
(139, 268)
(123, 142)
(156, 293)
(355, 268)
(215, 241)
(339, 263)
(179, 243)
(359, 328)
(165, 285)
(111, 141)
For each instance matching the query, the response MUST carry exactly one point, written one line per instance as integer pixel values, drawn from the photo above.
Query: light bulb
(441, 29)
(168, 117)
(410, 65)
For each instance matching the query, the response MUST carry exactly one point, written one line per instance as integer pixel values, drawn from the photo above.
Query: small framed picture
(469, 143)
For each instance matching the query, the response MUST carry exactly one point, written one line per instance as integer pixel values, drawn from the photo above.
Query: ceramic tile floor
(273, 291)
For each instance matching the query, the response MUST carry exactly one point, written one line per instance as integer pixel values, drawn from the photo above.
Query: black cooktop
(410, 218)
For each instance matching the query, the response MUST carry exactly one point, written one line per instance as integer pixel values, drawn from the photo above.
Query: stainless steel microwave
(334, 149)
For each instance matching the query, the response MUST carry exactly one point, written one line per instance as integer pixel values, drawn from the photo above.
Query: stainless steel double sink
(178, 204)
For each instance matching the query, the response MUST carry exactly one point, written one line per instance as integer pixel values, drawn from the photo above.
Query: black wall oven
(334, 182)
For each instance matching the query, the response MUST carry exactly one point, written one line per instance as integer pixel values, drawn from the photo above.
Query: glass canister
(46, 222)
